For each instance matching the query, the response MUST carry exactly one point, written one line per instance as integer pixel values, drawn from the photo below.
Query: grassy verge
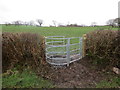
(111, 83)
(25, 79)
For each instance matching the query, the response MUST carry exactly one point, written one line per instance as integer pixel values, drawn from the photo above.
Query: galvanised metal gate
(63, 51)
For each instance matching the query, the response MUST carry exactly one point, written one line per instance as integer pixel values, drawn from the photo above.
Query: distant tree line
(111, 22)
(38, 22)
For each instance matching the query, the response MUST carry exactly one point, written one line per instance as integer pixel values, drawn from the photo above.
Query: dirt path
(78, 75)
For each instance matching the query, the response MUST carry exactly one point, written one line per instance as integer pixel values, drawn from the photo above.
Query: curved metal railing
(63, 51)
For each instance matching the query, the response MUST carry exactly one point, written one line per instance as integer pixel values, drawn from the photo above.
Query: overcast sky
(62, 11)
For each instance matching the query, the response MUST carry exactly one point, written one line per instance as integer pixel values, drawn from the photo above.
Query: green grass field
(53, 31)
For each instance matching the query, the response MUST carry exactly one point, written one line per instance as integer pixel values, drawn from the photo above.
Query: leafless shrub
(103, 47)
(21, 50)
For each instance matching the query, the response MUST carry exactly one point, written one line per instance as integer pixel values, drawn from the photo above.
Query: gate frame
(81, 48)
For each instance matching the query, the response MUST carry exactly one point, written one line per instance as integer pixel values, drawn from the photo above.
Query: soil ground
(80, 74)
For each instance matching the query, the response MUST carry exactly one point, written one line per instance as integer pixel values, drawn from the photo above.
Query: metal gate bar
(65, 57)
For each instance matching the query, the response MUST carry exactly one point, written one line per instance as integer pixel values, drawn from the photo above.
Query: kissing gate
(63, 51)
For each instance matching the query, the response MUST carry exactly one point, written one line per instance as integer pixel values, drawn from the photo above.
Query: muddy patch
(79, 74)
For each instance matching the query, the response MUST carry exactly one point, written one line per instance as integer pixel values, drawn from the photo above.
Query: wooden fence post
(84, 45)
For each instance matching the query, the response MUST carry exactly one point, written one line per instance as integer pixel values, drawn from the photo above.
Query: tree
(117, 21)
(17, 22)
(31, 23)
(114, 22)
(54, 22)
(93, 24)
(40, 22)
(7, 23)
(26, 23)
(110, 22)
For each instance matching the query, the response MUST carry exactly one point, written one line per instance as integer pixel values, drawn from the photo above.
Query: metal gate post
(80, 45)
(68, 52)
(45, 47)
